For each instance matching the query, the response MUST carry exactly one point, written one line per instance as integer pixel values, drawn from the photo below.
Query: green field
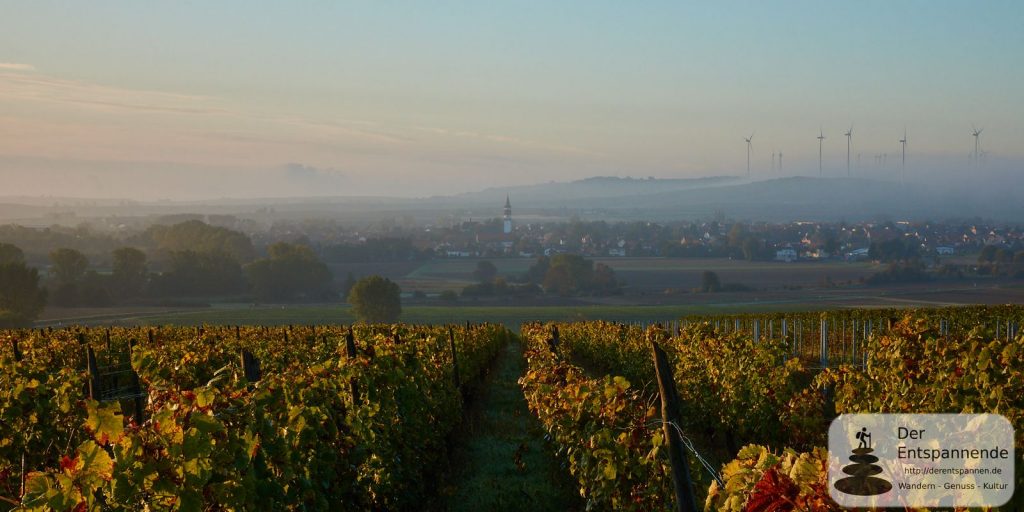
(646, 274)
(511, 316)
(657, 289)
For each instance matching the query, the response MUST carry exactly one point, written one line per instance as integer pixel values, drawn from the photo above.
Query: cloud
(353, 135)
(361, 129)
(74, 120)
(55, 90)
(305, 175)
(515, 141)
(59, 92)
(14, 66)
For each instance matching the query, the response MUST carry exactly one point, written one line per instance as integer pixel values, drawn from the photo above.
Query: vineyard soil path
(502, 460)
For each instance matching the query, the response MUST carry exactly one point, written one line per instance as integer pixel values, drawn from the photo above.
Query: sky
(198, 100)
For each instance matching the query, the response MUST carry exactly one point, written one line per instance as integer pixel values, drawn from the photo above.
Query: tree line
(196, 261)
(561, 274)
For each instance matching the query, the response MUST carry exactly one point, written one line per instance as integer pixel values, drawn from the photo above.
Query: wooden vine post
(455, 358)
(251, 367)
(94, 374)
(138, 408)
(554, 341)
(681, 483)
(823, 350)
(350, 349)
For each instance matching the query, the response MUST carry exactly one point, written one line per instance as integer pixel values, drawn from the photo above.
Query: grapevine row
(738, 391)
(299, 438)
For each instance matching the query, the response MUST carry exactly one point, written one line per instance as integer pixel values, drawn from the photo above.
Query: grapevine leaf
(189, 501)
(105, 422)
(205, 397)
(197, 443)
(40, 490)
(609, 471)
(206, 423)
(94, 459)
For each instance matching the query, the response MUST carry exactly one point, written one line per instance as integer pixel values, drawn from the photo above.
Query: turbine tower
(821, 137)
(849, 135)
(749, 139)
(780, 161)
(903, 165)
(976, 133)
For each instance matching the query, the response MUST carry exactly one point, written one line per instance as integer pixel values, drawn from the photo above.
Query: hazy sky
(208, 99)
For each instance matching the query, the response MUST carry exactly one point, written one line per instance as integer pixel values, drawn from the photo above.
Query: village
(786, 242)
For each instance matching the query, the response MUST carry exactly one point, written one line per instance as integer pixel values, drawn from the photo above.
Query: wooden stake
(681, 483)
(350, 347)
(455, 358)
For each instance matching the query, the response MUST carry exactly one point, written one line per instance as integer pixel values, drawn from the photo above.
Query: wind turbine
(903, 168)
(780, 161)
(749, 139)
(849, 135)
(821, 137)
(976, 133)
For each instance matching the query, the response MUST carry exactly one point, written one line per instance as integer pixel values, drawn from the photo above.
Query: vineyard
(755, 401)
(174, 419)
(709, 413)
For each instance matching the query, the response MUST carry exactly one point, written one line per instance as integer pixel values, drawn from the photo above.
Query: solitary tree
(604, 278)
(559, 280)
(538, 271)
(485, 271)
(1003, 255)
(68, 265)
(750, 248)
(10, 253)
(709, 282)
(291, 272)
(21, 297)
(200, 274)
(350, 281)
(129, 272)
(987, 254)
(376, 299)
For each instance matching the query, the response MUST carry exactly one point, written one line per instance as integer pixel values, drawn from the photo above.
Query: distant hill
(608, 198)
(801, 198)
(556, 193)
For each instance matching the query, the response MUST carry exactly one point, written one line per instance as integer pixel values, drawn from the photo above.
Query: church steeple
(508, 215)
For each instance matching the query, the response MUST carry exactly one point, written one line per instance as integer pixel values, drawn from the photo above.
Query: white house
(787, 254)
(857, 254)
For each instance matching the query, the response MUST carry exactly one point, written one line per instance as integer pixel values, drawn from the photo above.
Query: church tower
(508, 216)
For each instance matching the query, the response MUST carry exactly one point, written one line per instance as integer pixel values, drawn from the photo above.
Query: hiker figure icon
(864, 437)
(863, 479)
